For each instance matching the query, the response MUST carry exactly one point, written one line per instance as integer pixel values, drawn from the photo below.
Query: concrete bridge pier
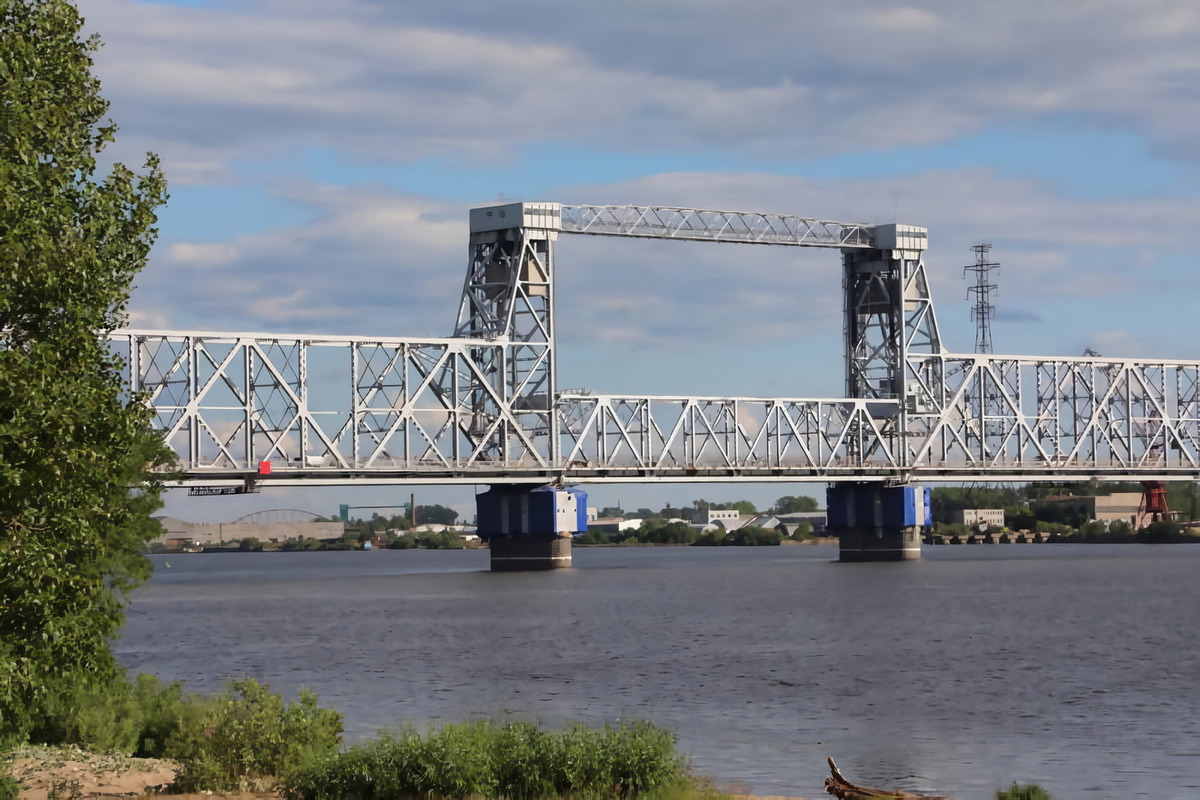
(529, 527)
(874, 522)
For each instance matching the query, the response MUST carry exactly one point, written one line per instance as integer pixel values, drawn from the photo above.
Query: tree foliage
(436, 514)
(72, 443)
(659, 531)
(794, 505)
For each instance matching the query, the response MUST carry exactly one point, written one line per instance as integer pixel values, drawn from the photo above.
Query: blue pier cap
(865, 505)
(543, 511)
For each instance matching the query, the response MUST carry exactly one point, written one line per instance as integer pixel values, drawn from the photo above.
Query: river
(1073, 666)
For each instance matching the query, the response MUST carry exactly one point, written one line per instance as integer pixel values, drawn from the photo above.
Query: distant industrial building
(727, 518)
(978, 516)
(1106, 508)
(266, 526)
(612, 524)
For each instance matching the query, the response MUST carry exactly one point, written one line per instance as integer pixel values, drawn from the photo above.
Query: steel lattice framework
(483, 406)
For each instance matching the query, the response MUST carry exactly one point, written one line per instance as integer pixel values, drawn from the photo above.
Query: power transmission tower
(983, 310)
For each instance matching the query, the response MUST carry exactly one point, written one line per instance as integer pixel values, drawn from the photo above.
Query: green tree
(75, 491)
(436, 514)
(794, 505)
(684, 514)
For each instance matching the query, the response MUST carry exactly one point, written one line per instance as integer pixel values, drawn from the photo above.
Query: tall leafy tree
(75, 450)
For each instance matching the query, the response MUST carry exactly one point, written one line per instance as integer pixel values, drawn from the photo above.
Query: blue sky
(322, 158)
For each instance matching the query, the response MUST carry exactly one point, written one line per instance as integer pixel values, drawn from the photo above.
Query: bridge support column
(877, 523)
(530, 527)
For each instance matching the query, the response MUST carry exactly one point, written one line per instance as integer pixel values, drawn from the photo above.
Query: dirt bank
(72, 773)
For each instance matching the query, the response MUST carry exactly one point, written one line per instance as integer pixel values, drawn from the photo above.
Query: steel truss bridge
(484, 406)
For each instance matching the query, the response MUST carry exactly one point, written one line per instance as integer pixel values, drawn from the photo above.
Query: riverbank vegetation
(516, 760)
(248, 739)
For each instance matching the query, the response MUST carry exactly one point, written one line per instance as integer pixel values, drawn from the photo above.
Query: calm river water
(1074, 666)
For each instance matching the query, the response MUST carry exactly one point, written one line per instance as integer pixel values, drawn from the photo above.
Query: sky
(322, 158)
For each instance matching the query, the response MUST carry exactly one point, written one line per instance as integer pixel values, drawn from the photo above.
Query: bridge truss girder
(425, 411)
(225, 402)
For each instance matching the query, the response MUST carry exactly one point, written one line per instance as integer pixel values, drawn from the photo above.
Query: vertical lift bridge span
(484, 406)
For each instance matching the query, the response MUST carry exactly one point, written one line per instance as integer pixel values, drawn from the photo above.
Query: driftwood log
(837, 785)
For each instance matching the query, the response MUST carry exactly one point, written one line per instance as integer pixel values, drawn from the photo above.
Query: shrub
(1158, 532)
(659, 531)
(10, 788)
(714, 537)
(755, 536)
(440, 540)
(113, 716)
(526, 760)
(248, 739)
(803, 530)
(517, 761)
(1029, 792)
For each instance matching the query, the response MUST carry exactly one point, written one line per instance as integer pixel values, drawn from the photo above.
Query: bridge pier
(530, 527)
(875, 522)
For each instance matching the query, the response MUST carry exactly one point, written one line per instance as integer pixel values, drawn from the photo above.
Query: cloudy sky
(322, 158)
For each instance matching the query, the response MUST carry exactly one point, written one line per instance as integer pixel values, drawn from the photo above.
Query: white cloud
(149, 320)
(904, 20)
(369, 261)
(1118, 343)
(210, 85)
(202, 255)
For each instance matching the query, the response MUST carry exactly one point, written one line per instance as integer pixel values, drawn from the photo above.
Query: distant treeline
(659, 531)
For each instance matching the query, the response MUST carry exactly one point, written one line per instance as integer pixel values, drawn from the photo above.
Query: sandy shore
(69, 772)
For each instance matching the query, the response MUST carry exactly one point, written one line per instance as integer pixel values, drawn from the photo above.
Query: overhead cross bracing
(665, 222)
(483, 406)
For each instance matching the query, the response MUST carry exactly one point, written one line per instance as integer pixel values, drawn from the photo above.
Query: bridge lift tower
(509, 294)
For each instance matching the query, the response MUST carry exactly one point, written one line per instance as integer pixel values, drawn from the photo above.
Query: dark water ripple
(1075, 666)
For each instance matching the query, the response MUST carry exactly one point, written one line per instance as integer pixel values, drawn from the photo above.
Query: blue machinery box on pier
(867, 506)
(541, 512)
